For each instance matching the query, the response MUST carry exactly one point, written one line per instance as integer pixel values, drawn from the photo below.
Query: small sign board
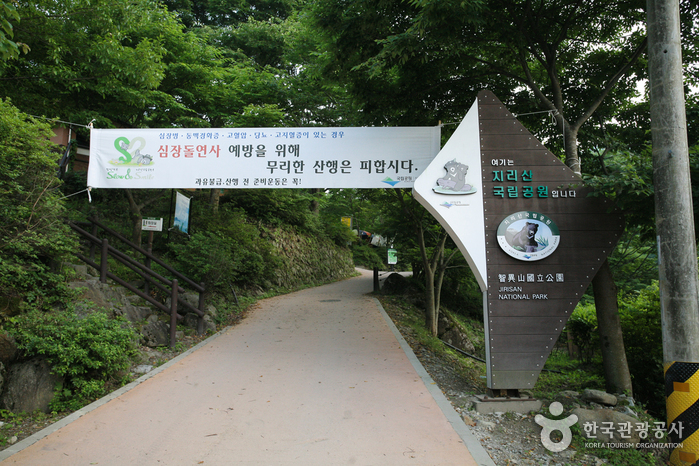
(392, 256)
(347, 221)
(152, 224)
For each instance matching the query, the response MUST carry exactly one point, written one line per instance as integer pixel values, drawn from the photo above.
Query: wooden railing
(171, 287)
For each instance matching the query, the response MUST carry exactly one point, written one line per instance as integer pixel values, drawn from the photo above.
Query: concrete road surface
(317, 377)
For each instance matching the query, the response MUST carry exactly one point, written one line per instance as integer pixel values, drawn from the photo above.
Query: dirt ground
(509, 438)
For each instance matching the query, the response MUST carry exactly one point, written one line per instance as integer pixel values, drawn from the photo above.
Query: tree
(33, 236)
(8, 48)
(567, 58)
(434, 256)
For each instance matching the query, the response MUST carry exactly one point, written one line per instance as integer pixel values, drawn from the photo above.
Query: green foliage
(627, 179)
(228, 250)
(578, 379)
(88, 351)
(641, 326)
(275, 207)
(366, 256)
(639, 313)
(614, 456)
(8, 48)
(33, 236)
(583, 328)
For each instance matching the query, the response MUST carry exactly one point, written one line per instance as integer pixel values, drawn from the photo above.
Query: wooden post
(103, 260)
(147, 262)
(173, 313)
(200, 320)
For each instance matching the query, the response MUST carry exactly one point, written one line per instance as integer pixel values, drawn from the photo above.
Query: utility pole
(677, 254)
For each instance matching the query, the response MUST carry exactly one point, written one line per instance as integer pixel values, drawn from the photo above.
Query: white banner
(260, 158)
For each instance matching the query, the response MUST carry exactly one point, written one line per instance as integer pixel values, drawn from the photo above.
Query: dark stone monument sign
(530, 298)
(544, 236)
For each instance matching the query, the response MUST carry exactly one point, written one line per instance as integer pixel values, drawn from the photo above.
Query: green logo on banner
(131, 152)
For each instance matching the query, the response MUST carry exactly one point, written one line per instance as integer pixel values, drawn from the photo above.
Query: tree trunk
(571, 148)
(136, 219)
(616, 368)
(215, 200)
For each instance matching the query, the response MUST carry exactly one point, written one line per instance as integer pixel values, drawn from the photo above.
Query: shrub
(33, 236)
(641, 326)
(583, 328)
(639, 313)
(88, 352)
(366, 256)
(229, 250)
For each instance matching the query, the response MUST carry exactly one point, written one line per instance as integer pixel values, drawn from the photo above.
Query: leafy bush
(582, 326)
(229, 250)
(641, 327)
(366, 256)
(276, 206)
(89, 352)
(33, 237)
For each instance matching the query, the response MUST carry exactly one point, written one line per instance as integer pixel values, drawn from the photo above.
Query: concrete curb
(21, 445)
(474, 446)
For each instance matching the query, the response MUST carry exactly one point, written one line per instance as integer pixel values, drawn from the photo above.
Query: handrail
(192, 283)
(144, 271)
(135, 265)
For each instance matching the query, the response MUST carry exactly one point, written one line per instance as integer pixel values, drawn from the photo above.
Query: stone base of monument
(485, 404)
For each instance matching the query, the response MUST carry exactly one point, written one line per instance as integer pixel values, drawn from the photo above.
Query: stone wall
(309, 260)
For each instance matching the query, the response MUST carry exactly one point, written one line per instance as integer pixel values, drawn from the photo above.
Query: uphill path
(316, 377)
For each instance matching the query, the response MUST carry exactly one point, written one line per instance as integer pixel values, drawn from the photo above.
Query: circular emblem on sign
(528, 236)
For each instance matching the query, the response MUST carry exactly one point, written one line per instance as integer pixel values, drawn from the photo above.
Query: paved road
(317, 377)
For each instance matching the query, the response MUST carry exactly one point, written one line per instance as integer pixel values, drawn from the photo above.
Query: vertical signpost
(529, 229)
(150, 225)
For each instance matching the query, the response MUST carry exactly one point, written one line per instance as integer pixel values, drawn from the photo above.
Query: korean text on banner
(261, 158)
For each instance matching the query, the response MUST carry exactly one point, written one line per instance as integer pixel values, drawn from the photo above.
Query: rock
(133, 313)
(156, 334)
(191, 320)
(626, 401)
(598, 396)
(12, 440)
(628, 411)
(8, 349)
(10, 305)
(606, 425)
(209, 325)
(450, 333)
(486, 424)
(142, 369)
(30, 386)
(569, 399)
(395, 284)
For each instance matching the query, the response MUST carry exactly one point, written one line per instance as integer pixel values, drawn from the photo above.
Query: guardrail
(168, 286)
